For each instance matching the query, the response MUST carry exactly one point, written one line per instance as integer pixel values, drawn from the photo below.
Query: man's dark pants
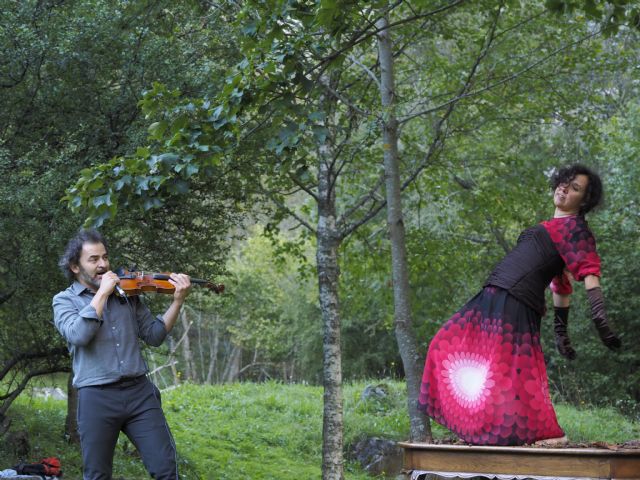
(131, 406)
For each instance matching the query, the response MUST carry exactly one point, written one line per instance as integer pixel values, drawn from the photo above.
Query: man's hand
(182, 283)
(108, 283)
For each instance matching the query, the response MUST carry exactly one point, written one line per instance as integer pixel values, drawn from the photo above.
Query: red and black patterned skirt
(485, 378)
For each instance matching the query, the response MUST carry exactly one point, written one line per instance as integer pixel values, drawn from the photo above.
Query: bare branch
(184, 335)
(436, 144)
(16, 81)
(290, 212)
(167, 365)
(8, 399)
(302, 186)
(369, 196)
(24, 356)
(254, 364)
(6, 296)
(366, 69)
(498, 233)
(373, 211)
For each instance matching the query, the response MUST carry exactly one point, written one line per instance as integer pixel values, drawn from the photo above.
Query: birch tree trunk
(328, 242)
(172, 361)
(213, 357)
(187, 353)
(232, 368)
(201, 348)
(420, 429)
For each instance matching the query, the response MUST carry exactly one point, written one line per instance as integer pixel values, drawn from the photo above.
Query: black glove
(560, 320)
(599, 317)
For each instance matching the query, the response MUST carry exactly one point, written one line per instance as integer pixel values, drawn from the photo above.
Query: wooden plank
(625, 467)
(515, 464)
(532, 462)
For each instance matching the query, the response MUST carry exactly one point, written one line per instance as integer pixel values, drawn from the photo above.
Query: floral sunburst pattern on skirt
(485, 377)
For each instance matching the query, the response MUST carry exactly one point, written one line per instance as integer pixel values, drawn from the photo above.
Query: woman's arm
(599, 314)
(560, 325)
(591, 281)
(561, 300)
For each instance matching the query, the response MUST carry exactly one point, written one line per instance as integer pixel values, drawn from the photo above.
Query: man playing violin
(102, 332)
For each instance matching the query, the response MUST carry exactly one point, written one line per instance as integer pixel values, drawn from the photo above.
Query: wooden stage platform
(506, 463)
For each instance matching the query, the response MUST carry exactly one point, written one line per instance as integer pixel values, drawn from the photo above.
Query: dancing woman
(485, 378)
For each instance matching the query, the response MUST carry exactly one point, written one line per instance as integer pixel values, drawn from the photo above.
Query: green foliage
(612, 14)
(369, 344)
(272, 311)
(71, 74)
(238, 103)
(269, 430)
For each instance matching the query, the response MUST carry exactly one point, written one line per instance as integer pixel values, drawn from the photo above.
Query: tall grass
(264, 431)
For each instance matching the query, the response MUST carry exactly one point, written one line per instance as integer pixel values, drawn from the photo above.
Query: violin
(137, 282)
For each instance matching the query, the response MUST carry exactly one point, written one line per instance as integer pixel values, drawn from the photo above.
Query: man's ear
(74, 268)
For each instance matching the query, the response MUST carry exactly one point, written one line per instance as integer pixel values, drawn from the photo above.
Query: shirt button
(121, 361)
(117, 344)
(113, 328)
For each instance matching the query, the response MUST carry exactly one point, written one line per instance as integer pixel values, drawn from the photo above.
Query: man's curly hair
(72, 252)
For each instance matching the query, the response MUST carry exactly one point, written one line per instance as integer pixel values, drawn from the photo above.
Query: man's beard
(83, 276)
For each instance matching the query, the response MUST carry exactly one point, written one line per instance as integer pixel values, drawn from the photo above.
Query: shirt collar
(79, 288)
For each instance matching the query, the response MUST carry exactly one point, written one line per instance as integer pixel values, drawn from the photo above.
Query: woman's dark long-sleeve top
(545, 255)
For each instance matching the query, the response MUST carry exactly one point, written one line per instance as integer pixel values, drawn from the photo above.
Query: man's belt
(124, 382)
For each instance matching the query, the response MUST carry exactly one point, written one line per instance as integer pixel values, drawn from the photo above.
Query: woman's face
(568, 196)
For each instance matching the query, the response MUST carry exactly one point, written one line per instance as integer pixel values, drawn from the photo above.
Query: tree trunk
(71, 422)
(187, 354)
(213, 357)
(420, 429)
(172, 361)
(328, 242)
(232, 369)
(200, 335)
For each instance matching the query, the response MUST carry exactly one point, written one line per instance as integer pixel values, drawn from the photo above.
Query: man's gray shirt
(105, 350)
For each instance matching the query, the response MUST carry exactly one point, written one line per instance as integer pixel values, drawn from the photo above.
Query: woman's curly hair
(594, 193)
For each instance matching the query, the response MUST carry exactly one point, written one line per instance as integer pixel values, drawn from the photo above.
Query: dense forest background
(225, 139)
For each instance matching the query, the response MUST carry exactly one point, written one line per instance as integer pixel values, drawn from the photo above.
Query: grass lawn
(265, 431)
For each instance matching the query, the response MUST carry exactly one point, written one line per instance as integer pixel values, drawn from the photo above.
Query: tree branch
(303, 187)
(290, 212)
(366, 69)
(438, 141)
(365, 34)
(435, 144)
(4, 297)
(500, 82)
(344, 100)
(8, 399)
(373, 211)
(369, 196)
(23, 356)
